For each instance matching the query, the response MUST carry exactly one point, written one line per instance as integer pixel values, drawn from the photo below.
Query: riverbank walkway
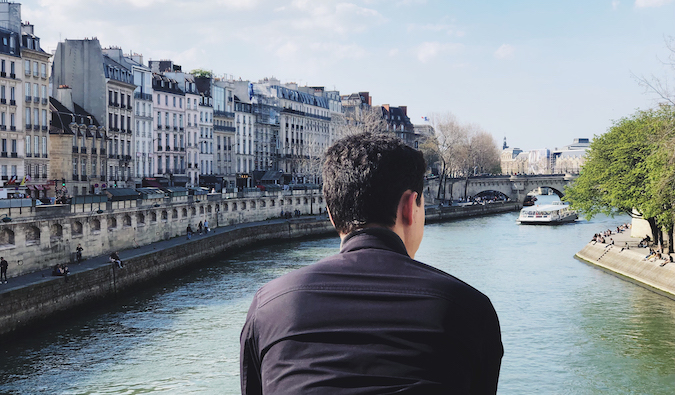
(623, 240)
(95, 262)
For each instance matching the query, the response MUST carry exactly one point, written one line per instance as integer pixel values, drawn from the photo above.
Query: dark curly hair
(365, 176)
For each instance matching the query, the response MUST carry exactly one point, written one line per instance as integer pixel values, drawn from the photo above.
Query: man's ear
(407, 205)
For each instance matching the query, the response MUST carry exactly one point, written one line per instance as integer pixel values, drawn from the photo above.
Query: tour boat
(547, 214)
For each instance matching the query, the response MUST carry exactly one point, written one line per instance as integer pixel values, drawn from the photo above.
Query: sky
(539, 73)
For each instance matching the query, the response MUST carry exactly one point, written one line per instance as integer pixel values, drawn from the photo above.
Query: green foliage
(201, 73)
(624, 168)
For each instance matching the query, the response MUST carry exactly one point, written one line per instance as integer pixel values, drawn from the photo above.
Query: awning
(40, 187)
(31, 188)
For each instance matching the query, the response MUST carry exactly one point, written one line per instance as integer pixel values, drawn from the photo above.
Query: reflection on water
(567, 327)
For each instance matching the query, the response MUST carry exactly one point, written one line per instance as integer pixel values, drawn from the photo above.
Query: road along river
(567, 327)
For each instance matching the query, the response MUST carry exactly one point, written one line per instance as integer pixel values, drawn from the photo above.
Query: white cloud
(429, 50)
(393, 52)
(506, 51)
(615, 4)
(651, 3)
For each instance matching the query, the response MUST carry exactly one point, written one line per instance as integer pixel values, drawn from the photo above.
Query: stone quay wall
(440, 214)
(48, 296)
(41, 236)
(29, 305)
(630, 265)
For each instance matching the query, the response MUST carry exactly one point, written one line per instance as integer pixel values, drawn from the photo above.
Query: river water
(567, 327)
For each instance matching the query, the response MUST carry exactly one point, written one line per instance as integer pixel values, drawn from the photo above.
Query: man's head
(365, 176)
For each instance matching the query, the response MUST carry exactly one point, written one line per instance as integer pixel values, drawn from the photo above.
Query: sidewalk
(94, 262)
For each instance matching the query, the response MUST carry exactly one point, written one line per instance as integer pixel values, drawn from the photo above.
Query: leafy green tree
(201, 73)
(623, 170)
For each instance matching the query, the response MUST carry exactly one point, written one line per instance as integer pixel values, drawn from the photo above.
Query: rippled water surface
(567, 328)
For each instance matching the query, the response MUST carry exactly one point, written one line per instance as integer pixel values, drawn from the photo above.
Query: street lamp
(6, 218)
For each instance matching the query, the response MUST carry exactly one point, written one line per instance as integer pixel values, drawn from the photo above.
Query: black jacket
(370, 320)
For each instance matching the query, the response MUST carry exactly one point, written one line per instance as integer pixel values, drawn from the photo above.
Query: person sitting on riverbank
(667, 260)
(115, 258)
(610, 243)
(625, 247)
(652, 253)
(60, 270)
(645, 242)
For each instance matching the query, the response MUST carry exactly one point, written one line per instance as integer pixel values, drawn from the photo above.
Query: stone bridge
(515, 187)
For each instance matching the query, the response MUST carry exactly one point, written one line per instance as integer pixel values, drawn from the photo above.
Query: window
(36, 71)
(36, 115)
(28, 118)
(174, 101)
(36, 144)
(27, 90)
(44, 146)
(27, 66)
(158, 98)
(43, 69)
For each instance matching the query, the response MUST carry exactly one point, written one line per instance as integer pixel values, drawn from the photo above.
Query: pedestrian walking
(206, 226)
(200, 226)
(3, 269)
(189, 232)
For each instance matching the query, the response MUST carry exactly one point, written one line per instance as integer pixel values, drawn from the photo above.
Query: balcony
(3, 127)
(36, 73)
(12, 75)
(181, 128)
(123, 106)
(75, 177)
(12, 128)
(29, 155)
(93, 151)
(45, 100)
(111, 156)
(3, 101)
(168, 148)
(43, 155)
(36, 127)
(83, 178)
(75, 150)
(127, 157)
(44, 127)
(44, 76)
(130, 107)
(182, 149)
(159, 148)
(102, 151)
(123, 130)
(29, 99)
(102, 178)
(36, 99)
(3, 74)
(27, 72)
(14, 155)
(12, 102)
(167, 127)
(29, 126)
(5, 178)
(175, 128)
(83, 150)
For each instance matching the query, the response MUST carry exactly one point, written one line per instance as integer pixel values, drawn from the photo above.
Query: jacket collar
(379, 238)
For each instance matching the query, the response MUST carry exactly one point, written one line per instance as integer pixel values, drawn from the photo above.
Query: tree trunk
(656, 232)
(670, 240)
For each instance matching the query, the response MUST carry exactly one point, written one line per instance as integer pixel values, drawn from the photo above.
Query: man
(3, 269)
(371, 319)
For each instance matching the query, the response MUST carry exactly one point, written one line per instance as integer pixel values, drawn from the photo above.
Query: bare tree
(359, 121)
(445, 147)
(660, 85)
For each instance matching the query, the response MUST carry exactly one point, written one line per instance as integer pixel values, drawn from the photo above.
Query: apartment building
(36, 108)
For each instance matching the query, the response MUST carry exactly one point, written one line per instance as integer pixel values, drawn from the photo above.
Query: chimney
(404, 109)
(64, 94)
